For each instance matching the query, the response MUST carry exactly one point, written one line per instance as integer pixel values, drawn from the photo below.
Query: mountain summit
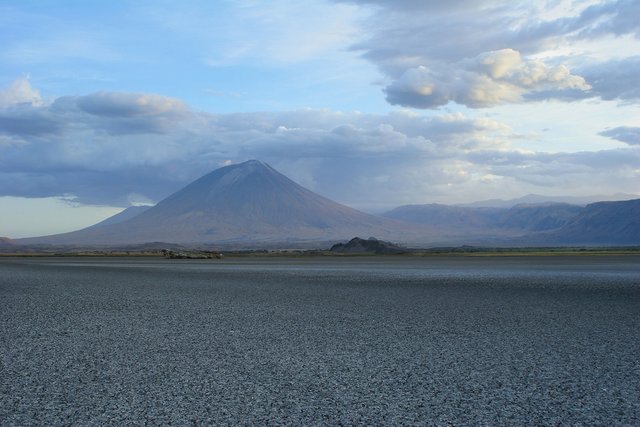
(246, 202)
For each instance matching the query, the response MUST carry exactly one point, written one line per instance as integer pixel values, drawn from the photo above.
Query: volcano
(246, 202)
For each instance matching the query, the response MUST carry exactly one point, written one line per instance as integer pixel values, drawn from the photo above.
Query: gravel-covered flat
(389, 340)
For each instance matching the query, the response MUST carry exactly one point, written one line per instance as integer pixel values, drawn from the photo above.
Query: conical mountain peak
(231, 188)
(228, 175)
(251, 162)
(248, 201)
(249, 166)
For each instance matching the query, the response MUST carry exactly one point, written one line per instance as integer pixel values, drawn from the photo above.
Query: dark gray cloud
(615, 80)
(612, 17)
(111, 113)
(123, 113)
(627, 134)
(126, 105)
(70, 149)
(28, 121)
(439, 52)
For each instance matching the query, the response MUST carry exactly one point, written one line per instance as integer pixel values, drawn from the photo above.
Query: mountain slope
(603, 223)
(125, 215)
(444, 217)
(482, 221)
(537, 217)
(248, 202)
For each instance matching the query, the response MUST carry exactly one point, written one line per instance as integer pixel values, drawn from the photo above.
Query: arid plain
(329, 340)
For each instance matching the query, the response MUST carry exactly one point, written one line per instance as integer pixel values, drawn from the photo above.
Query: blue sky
(373, 103)
(217, 56)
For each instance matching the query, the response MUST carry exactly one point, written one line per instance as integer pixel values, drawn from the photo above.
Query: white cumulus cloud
(485, 53)
(19, 92)
(491, 78)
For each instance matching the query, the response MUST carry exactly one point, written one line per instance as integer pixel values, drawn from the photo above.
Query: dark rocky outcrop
(170, 254)
(368, 246)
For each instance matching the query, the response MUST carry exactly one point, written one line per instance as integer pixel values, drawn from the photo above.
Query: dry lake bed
(371, 340)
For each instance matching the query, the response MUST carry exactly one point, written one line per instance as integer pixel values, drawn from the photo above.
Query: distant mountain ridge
(602, 223)
(252, 203)
(538, 199)
(520, 218)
